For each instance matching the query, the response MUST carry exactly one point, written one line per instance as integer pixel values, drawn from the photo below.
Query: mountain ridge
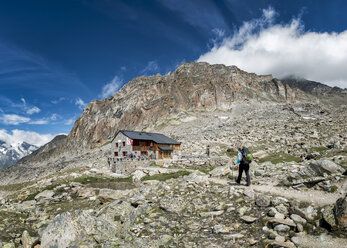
(10, 154)
(144, 101)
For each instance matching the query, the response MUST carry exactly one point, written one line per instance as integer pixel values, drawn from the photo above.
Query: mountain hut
(131, 144)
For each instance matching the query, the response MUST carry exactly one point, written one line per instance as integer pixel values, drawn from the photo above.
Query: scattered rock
(220, 171)
(26, 240)
(328, 216)
(221, 229)
(109, 195)
(45, 195)
(263, 200)
(248, 219)
(211, 214)
(341, 212)
(282, 229)
(287, 222)
(175, 205)
(298, 219)
(137, 175)
(249, 193)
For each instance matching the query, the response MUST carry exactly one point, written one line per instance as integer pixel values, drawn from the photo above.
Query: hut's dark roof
(155, 137)
(165, 148)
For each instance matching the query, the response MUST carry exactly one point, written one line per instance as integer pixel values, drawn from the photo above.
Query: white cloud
(112, 87)
(39, 122)
(54, 117)
(58, 100)
(201, 14)
(23, 100)
(80, 103)
(69, 121)
(151, 67)
(284, 49)
(29, 110)
(13, 119)
(19, 136)
(33, 110)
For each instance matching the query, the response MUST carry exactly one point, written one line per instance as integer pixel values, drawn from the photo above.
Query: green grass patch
(203, 169)
(153, 164)
(279, 157)
(13, 223)
(333, 188)
(319, 149)
(89, 179)
(165, 176)
(16, 186)
(304, 204)
(77, 204)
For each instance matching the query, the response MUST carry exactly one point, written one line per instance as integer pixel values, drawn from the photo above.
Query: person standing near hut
(208, 150)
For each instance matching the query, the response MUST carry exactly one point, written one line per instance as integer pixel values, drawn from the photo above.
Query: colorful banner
(129, 142)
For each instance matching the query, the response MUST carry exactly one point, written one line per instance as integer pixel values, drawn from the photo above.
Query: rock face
(312, 87)
(197, 86)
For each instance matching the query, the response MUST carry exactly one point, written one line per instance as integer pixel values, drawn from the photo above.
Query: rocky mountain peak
(192, 86)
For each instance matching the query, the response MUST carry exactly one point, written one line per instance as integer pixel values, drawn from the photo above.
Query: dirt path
(323, 241)
(316, 197)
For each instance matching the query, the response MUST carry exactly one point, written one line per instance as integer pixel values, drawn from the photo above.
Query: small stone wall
(128, 166)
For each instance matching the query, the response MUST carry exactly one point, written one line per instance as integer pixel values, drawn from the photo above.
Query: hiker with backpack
(244, 158)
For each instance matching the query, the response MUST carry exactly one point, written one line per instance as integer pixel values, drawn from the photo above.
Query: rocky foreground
(164, 208)
(297, 197)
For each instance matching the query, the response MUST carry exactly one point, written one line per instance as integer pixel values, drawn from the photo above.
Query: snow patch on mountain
(11, 153)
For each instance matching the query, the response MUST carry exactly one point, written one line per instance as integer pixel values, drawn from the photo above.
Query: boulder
(328, 216)
(109, 195)
(286, 244)
(320, 167)
(26, 240)
(310, 213)
(248, 219)
(317, 171)
(287, 222)
(249, 193)
(45, 195)
(282, 229)
(220, 171)
(263, 200)
(86, 192)
(298, 219)
(71, 229)
(137, 175)
(340, 210)
(198, 179)
(221, 229)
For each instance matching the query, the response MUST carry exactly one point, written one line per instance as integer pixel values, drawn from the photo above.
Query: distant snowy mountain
(10, 154)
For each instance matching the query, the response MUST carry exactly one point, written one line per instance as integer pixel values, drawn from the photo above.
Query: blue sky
(58, 55)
